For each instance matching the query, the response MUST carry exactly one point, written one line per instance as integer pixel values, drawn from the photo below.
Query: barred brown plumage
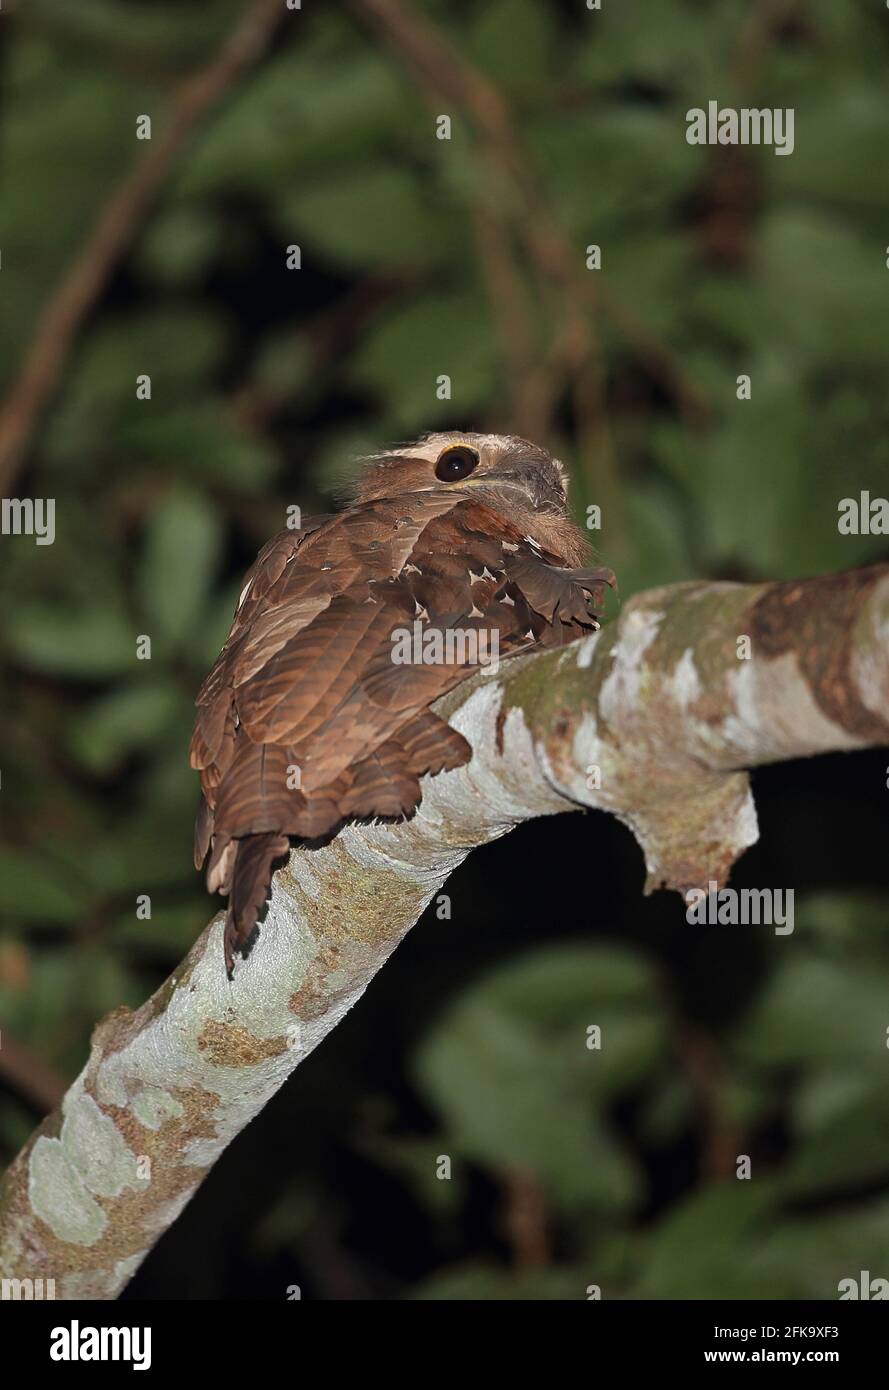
(307, 720)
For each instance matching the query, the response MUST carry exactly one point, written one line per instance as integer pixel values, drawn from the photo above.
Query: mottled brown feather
(306, 679)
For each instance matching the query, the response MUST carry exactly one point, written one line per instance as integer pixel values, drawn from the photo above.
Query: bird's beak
(530, 483)
(497, 480)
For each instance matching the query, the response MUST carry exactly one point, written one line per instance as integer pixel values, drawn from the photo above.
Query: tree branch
(655, 719)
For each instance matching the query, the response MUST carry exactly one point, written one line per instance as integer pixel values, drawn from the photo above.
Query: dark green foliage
(265, 383)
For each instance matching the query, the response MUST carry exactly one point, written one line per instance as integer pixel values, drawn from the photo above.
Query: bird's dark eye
(456, 464)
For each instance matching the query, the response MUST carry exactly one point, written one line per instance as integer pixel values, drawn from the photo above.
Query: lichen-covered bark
(655, 719)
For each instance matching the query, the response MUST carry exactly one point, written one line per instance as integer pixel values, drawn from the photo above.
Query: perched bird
(312, 716)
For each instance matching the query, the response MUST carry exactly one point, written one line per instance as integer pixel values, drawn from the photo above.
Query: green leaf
(168, 932)
(684, 52)
(808, 1257)
(845, 307)
(816, 1013)
(178, 565)
(695, 1252)
(656, 550)
(198, 441)
(847, 1151)
(414, 1161)
(478, 1282)
(510, 1070)
(403, 357)
(174, 346)
(380, 217)
(127, 719)
(849, 921)
(731, 1242)
(178, 244)
(512, 41)
(302, 114)
(34, 889)
(151, 850)
(637, 162)
(81, 644)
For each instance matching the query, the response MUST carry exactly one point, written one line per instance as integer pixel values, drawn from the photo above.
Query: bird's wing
(308, 720)
(294, 579)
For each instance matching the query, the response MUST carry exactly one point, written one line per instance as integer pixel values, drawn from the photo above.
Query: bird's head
(500, 469)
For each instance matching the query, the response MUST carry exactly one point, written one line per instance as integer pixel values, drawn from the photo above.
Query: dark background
(466, 257)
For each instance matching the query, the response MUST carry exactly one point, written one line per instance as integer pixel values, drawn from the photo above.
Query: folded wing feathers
(250, 885)
(306, 721)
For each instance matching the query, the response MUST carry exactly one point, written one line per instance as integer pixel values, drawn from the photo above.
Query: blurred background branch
(29, 1074)
(118, 223)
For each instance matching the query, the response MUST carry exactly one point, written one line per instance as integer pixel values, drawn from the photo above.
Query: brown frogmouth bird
(308, 720)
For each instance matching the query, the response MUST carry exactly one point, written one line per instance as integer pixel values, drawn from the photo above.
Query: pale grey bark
(655, 719)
